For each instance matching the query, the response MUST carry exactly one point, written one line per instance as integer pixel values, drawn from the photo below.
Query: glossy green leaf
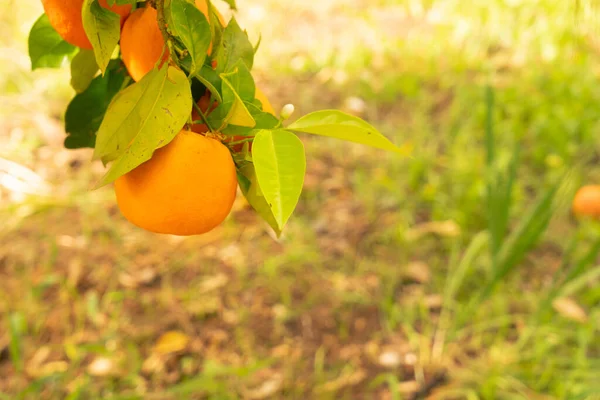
(234, 46)
(141, 119)
(238, 113)
(343, 126)
(251, 190)
(211, 80)
(46, 48)
(280, 165)
(263, 120)
(243, 82)
(103, 28)
(83, 70)
(193, 29)
(87, 109)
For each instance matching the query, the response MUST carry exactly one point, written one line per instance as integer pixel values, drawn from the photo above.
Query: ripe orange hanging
(142, 42)
(65, 18)
(187, 188)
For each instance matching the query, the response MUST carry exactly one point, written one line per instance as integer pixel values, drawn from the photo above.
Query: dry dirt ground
(341, 307)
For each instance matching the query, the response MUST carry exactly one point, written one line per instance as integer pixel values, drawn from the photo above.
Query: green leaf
(280, 165)
(46, 48)
(264, 120)
(87, 109)
(343, 126)
(216, 29)
(120, 2)
(192, 27)
(211, 80)
(83, 70)
(142, 118)
(242, 81)
(251, 190)
(232, 109)
(234, 46)
(103, 29)
(238, 113)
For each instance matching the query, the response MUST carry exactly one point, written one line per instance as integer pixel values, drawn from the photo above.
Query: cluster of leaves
(126, 121)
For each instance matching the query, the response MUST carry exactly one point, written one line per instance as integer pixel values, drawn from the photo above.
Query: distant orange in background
(65, 18)
(187, 188)
(142, 41)
(587, 202)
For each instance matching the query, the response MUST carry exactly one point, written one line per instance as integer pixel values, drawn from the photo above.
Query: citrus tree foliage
(126, 121)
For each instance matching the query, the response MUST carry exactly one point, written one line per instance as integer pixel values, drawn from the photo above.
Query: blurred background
(459, 273)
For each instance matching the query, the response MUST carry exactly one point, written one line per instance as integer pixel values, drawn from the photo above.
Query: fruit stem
(248, 139)
(203, 117)
(162, 25)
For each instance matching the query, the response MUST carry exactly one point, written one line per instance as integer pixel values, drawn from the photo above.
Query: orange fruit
(65, 18)
(187, 188)
(203, 104)
(142, 41)
(587, 201)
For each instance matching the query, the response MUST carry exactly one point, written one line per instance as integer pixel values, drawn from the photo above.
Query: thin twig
(162, 25)
(203, 117)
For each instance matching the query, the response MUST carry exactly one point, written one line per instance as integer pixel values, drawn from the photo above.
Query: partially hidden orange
(142, 42)
(587, 202)
(267, 107)
(187, 188)
(65, 18)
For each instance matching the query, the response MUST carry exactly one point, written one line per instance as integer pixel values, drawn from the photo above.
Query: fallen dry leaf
(213, 283)
(345, 380)
(267, 389)
(440, 228)
(102, 366)
(139, 278)
(417, 271)
(569, 308)
(171, 342)
(50, 368)
(390, 359)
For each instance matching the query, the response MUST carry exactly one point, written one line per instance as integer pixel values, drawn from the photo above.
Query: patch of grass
(455, 274)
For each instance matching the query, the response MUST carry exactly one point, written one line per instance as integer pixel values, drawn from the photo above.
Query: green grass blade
(588, 259)
(499, 186)
(527, 234)
(489, 126)
(499, 201)
(576, 284)
(17, 326)
(457, 276)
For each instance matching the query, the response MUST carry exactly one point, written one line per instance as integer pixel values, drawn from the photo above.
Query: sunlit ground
(376, 288)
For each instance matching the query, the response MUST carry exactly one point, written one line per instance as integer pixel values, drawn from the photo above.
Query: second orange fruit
(65, 18)
(142, 27)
